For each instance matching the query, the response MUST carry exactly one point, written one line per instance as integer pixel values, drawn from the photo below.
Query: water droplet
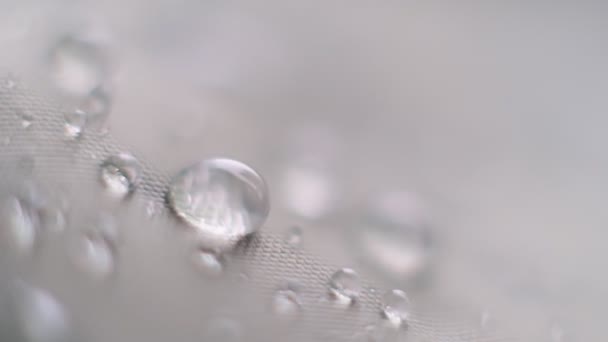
(41, 318)
(224, 199)
(6, 141)
(286, 303)
(120, 174)
(396, 307)
(20, 225)
(77, 66)
(345, 286)
(75, 123)
(26, 119)
(97, 105)
(222, 330)
(294, 236)
(393, 237)
(208, 262)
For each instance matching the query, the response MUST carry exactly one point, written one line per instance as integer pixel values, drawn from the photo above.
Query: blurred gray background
(493, 114)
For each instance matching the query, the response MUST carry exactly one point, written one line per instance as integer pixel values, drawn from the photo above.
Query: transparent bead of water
(208, 262)
(77, 66)
(345, 286)
(20, 225)
(294, 236)
(97, 105)
(223, 199)
(396, 307)
(120, 174)
(285, 303)
(9, 83)
(40, 316)
(26, 119)
(393, 237)
(75, 123)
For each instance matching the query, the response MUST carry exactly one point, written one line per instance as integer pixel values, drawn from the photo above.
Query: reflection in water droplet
(396, 308)
(222, 330)
(345, 286)
(294, 236)
(77, 66)
(120, 174)
(41, 317)
(223, 199)
(208, 262)
(75, 123)
(393, 237)
(286, 303)
(20, 225)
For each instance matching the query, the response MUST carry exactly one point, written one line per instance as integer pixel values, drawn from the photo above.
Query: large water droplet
(223, 199)
(345, 286)
(120, 174)
(77, 66)
(393, 237)
(208, 262)
(396, 307)
(41, 318)
(19, 225)
(75, 123)
(286, 303)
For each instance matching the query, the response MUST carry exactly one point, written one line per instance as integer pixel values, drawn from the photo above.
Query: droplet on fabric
(120, 174)
(223, 199)
(286, 303)
(294, 236)
(345, 286)
(75, 123)
(94, 254)
(396, 308)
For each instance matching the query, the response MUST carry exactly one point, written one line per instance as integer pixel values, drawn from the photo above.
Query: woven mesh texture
(267, 261)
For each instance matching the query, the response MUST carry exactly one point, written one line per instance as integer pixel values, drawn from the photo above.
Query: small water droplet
(97, 105)
(20, 225)
(77, 66)
(26, 119)
(208, 262)
(557, 333)
(75, 123)
(286, 303)
(6, 141)
(345, 286)
(224, 199)
(393, 237)
(396, 308)
(41, 318)
(9, 83)
(294, 236)
(120, 174)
